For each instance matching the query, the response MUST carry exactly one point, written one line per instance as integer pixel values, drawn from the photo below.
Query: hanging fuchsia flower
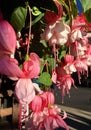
(81, 66)
(65, 83)
(49, 119)
(56, 33)
(7, 38)
(53, 120)
(69, 66)
(64, 80)
(25, 88)
(31, 67)
(42, 100)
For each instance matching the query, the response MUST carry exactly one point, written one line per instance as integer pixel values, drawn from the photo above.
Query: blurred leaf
(45, 79)
(88, 15)
(43, 42)
(51, 62)
(63, 52)
(18, 18)
(86, 5)
(74, 9)
(87, 9)
(42, 65)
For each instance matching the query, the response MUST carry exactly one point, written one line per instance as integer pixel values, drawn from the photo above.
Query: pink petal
(50, 97)
(61, 122)
(24, 91)
(7, 37)
(31, 68)
(68, 58)
(54, 76)
(36, 104)
(48, 123)
(10, 68)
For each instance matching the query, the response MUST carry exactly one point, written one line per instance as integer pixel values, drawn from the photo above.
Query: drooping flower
(64, 81)
(81, 67)
(56, 33)
(48, 119)
(69, 66)
(31, 67)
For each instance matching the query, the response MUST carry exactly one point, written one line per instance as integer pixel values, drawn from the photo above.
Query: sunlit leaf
(45, 79)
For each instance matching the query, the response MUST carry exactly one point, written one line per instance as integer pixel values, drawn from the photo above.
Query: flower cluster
(45, 115)
(41, 63)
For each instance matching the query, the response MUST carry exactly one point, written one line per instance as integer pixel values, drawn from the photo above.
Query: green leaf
(51, 62)
(37, 18)
(88, 15)
(18, 18)
(42, 65)
(43, 42)
(86, 5)
(63, 52)
(87, 9)
(45, 79)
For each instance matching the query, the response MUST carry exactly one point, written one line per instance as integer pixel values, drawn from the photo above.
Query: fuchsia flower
(42, 100)
(64, 80)
(31, 67)
(69, 66)
(81, 66)
(25, 88)
(45, 116)
(56, 33)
